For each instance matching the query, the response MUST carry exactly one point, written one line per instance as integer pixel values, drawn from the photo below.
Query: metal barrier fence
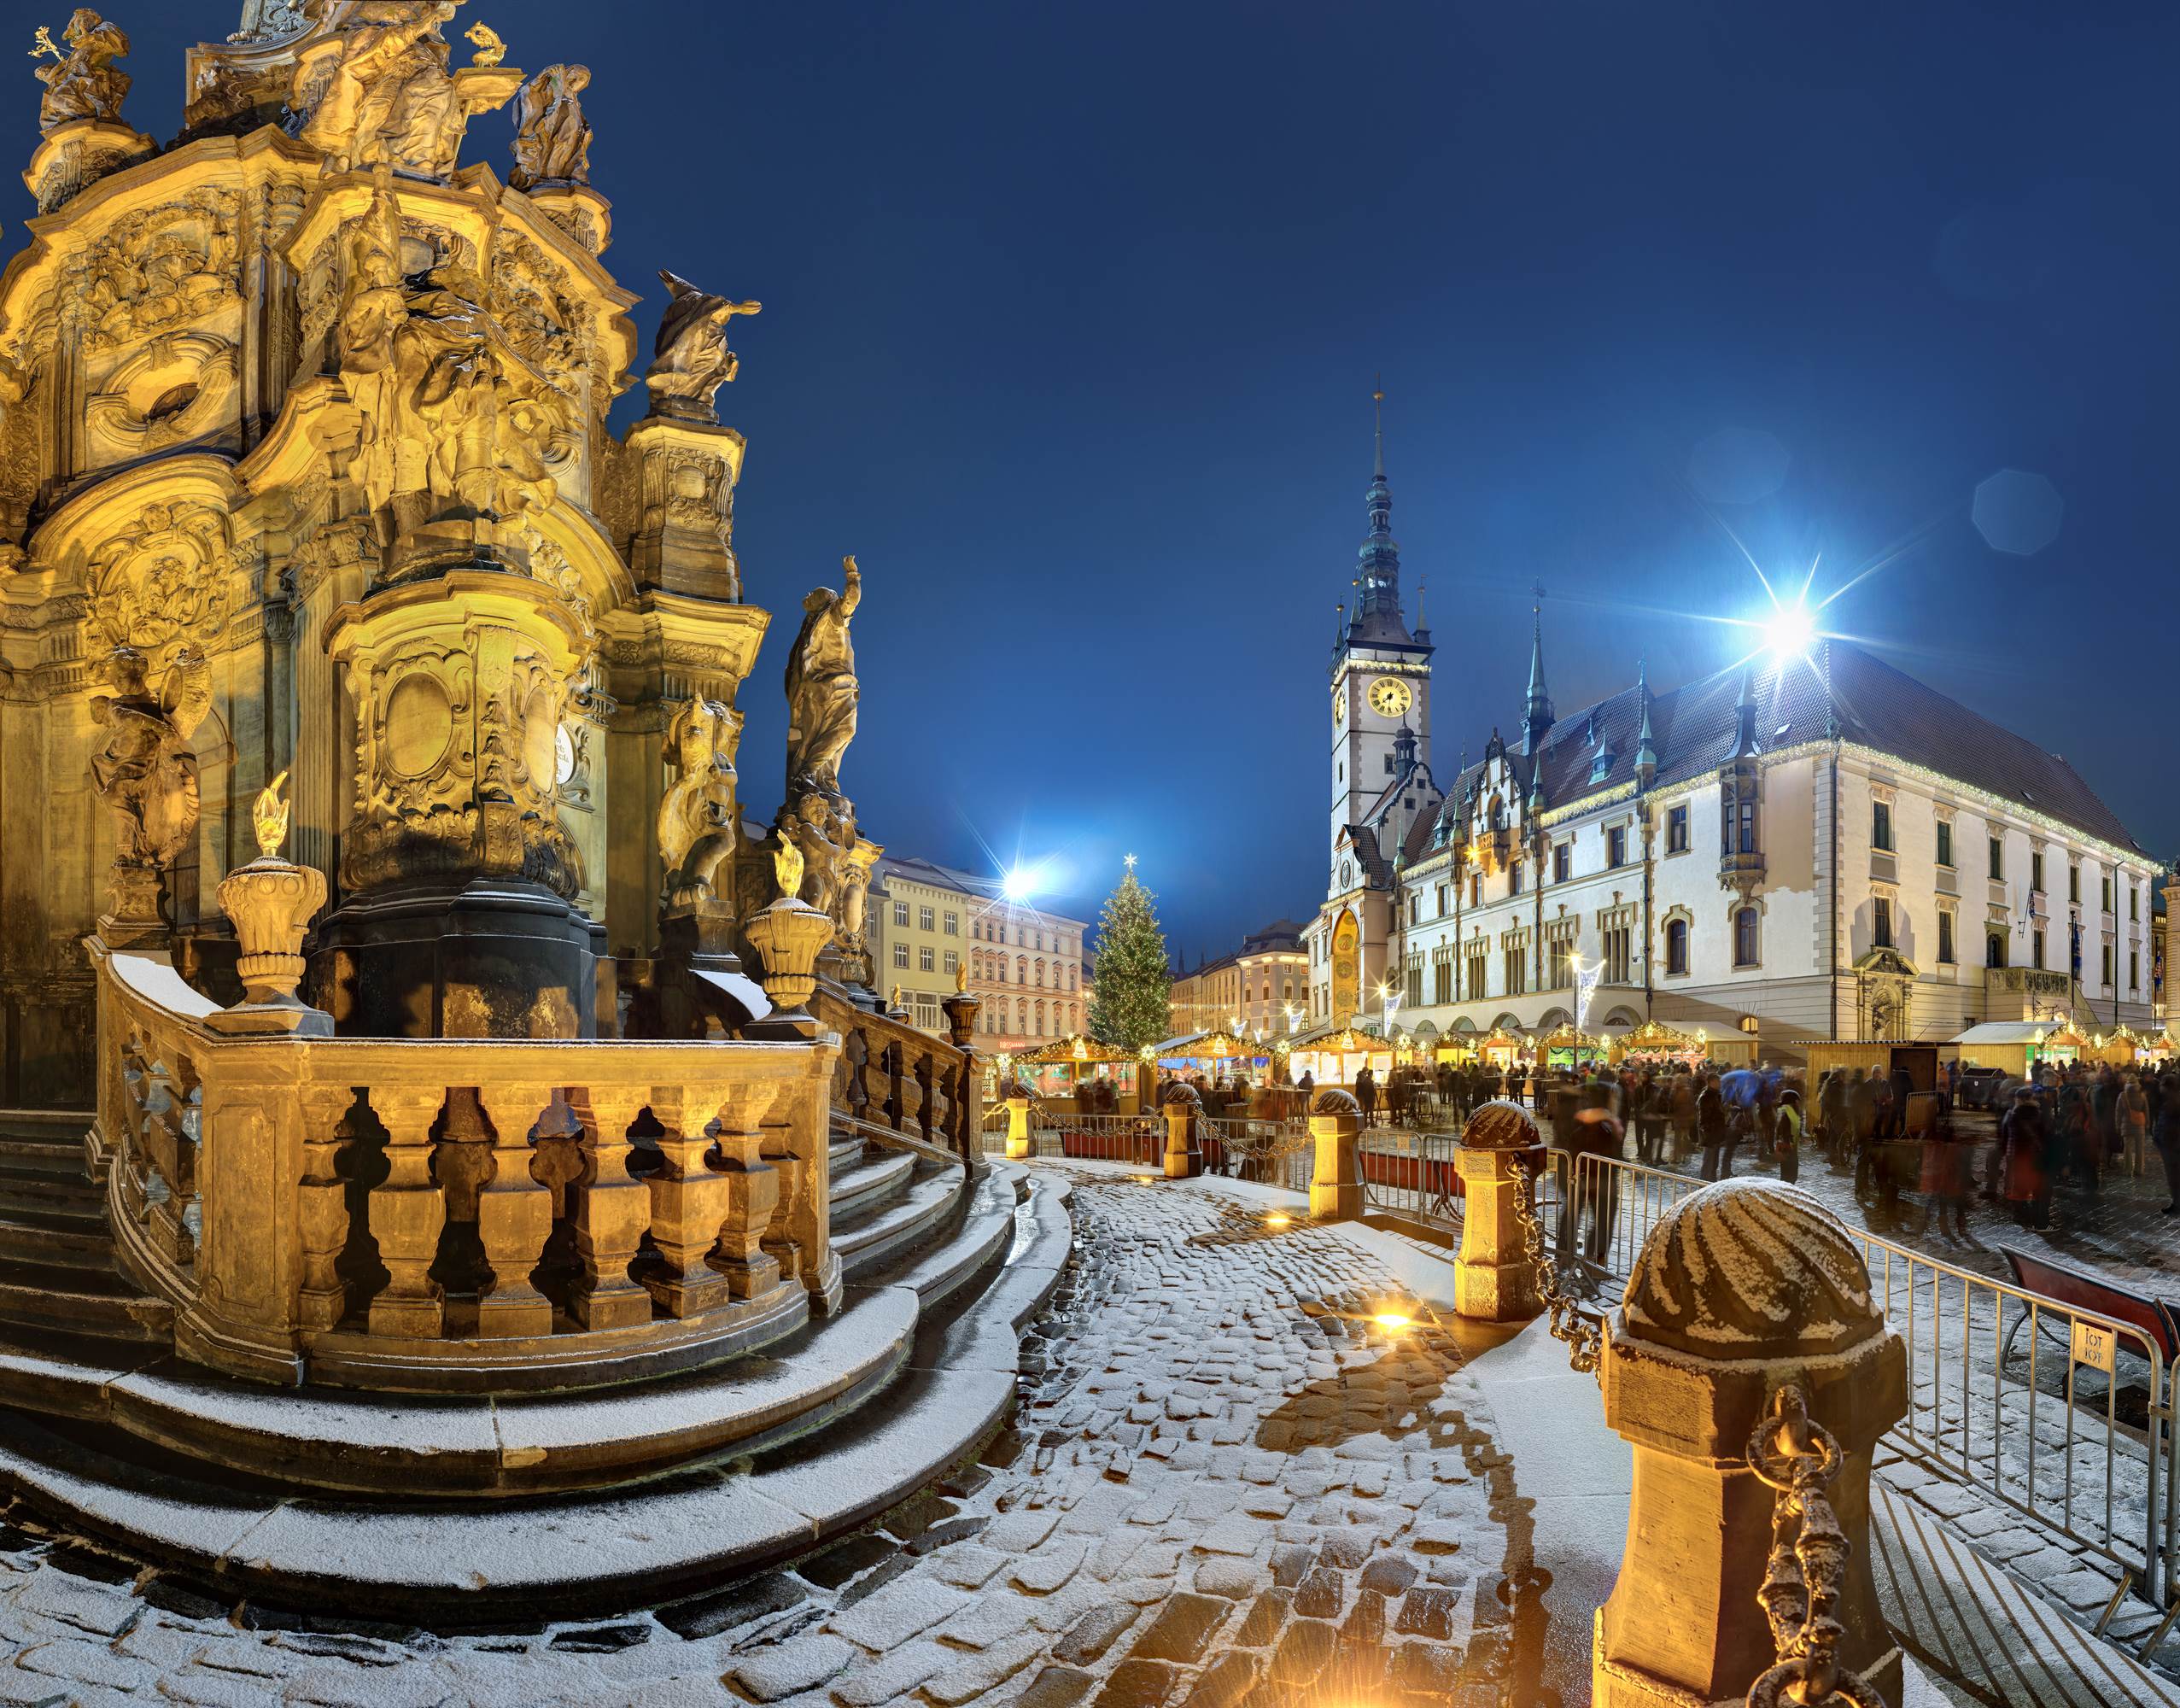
(1411, 1174)
(1277, 1153)
(1271, 1153)
(2018, 1396)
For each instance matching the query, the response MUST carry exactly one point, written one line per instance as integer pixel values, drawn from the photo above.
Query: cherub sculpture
(691, 361)
(823, 696)
(147, 772)
(552, 144)
(83, 83)
(701, 819)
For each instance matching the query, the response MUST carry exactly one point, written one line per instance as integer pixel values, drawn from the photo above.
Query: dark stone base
(488, 960)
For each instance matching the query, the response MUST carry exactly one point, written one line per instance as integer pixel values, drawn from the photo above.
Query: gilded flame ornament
(271, 817)
(787, 867)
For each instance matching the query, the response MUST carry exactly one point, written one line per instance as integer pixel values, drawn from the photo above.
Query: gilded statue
(553, 144)
(491, 49)
(379, 91)
(822, 694)
(147, 771)
(691, 361)
(787, 870)
(700, 818)
(83, 82)
(813, 826)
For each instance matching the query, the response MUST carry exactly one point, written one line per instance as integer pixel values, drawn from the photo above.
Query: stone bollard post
(1017, 1125)
(1494, 1279)
(1745, 1288)
(1183, 1144)
(1336, 1183)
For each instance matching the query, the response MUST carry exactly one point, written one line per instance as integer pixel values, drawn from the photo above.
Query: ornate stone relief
(147, 774)
(162, 268)
(699, 820)
(269, 19)
(175, 388)
(165, 581)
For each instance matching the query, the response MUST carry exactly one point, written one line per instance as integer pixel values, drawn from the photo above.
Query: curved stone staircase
(570, 1503)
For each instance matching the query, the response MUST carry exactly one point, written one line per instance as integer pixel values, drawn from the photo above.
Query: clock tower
(1380, 708)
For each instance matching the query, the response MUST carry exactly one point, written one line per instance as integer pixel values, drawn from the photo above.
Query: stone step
(60, 1157)
(846, 1153)
(608, 1552)
(46, 1193)
(874, 1181)
(65, 1300)
(72, 1245)
(936, 1272)
(866, 1242)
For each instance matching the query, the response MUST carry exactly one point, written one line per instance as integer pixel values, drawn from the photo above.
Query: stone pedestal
(75, 155)
(1746, 1288)
(1183, 1110)
(1018, 1130)
(685, 522)
(1336, 1183)
(1501, 1150)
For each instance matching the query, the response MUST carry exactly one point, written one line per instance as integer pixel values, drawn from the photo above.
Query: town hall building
(1804, 847)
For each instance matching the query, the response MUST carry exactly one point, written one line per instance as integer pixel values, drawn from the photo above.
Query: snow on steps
(571, 1555)
(871, 1181)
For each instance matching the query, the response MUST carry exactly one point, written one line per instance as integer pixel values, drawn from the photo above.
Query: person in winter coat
(1366, 1094)
(1711, 1127)
(2135, 1125)
(1831, 1117)
(2026, 1137)
(1786, 1136)
(2166, 1136)
(1598, 1133)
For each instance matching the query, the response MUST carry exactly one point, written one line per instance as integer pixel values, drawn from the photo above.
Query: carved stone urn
(789, 935)
(271, 903)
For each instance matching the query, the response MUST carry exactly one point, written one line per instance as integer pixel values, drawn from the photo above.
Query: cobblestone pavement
(1225, 1485)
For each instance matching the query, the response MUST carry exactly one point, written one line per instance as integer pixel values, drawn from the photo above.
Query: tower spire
(1645, 742)
(1378, 402)
(1537, 716)
(1377, 610)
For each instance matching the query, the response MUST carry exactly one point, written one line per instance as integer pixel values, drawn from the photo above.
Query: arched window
(1995, 949)
(1676, 945)
(1745, 937)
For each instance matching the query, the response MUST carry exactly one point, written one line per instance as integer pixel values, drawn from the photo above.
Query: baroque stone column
(459, 916)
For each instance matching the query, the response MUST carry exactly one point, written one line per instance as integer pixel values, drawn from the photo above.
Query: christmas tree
(1135, 986)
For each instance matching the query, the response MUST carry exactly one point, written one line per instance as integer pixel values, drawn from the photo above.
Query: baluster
(408, 1213)
(611, 1211)
(688, 1202)
(171, 1129)
(514, 1216)
(139, 1087)
(753, 1191)
(923, 1095)
(894, 1107)
(322, 1208)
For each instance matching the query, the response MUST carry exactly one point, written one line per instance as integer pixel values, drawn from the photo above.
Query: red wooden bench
(2082, 1290)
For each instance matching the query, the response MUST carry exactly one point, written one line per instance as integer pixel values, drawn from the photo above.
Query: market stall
(1565, 1047)
(2016, 1047)
(1081, 1076)
(1333, 1056)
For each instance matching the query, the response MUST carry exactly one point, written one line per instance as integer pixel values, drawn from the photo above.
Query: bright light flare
(1019, 885)
(1393, 1322)
(1788, 632)
(1279, 1221)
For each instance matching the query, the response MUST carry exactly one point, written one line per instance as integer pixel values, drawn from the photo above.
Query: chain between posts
(1805, 1576)
(1583, 1334)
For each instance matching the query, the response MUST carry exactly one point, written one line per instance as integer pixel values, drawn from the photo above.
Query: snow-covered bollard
(1184, 1145)
(1336, 1183)
(1748, 1304)
(1018, 1127)
(1494, 1277)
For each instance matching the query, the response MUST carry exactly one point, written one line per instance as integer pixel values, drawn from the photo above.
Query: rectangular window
(953, 961)
(2036, 948)
(901, 955)
(1563, 862)
(1442, 900)
(1995, 949)
(1558, 963)
(925, 919)
(1517, 970)
(2036, 876)
(1945, 939)
(1997, 861)
(1945, 842)
(953, 925)
(1676, 830)
(2074, 884)
(1514, 879)
(1619, 955)
(2104, 891)
(1615, 846)
(2108, 953)
(2134, 972)
(2134, 902)
(1881, 923)
(1475, 890)
(923, 959)
(1748, 838)
(900, 913)
(1479, 966)
(1415, 983)
(1881, 826)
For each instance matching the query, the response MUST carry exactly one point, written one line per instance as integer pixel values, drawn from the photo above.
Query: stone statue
(379, 91)
(372, 310)
(146, 772)
(552, 145)
(813, 827)
(83, 83)
(822, 694)
(265, 19)
(691, 361)
(699, 820)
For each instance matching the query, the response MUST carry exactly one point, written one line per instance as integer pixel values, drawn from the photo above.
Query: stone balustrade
(893, 1075)
(457, 1214)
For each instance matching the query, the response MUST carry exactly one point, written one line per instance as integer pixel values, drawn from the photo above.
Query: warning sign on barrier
(2097, 1347)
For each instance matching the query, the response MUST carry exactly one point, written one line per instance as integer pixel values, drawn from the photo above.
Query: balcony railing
(425, 1214)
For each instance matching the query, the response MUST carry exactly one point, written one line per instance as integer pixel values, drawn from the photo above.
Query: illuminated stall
(1078, 1075)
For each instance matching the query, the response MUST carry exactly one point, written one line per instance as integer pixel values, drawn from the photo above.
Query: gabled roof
(1879, 707)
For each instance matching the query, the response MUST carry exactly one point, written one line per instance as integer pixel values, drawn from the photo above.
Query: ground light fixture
(1394, 1321)
(1279, 1221)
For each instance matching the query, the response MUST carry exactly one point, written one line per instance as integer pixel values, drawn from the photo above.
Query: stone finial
(1499, 1124)
(1747, 1270)
(1332, 1101)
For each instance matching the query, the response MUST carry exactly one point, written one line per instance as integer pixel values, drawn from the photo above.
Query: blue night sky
(1071, 313)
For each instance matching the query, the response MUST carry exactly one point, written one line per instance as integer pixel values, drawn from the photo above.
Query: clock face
(1339, 711)
(1389, 697)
